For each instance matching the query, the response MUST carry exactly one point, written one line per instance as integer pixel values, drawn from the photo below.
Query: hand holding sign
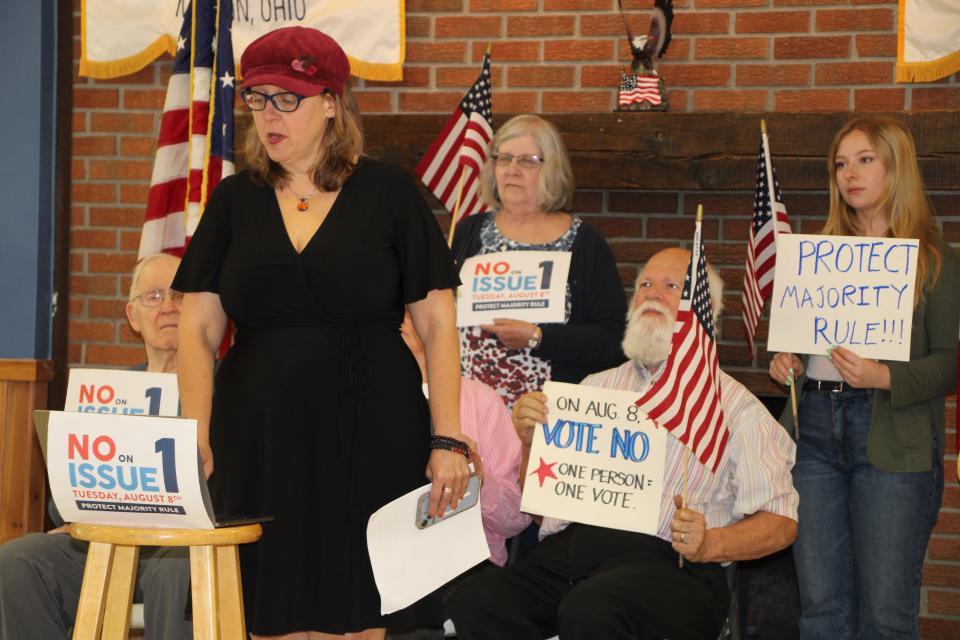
(514, 334)
(860, 372)
(529, 411)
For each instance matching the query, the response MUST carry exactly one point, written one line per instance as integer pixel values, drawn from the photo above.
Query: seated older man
(589, 582)
(41, 573)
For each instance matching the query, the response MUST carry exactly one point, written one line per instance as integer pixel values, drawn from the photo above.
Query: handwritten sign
(142, 471)
(843, 290)
(522, 285)
(122, 392)
(598, 460)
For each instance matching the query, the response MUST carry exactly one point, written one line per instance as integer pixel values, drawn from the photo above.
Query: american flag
(769, 219)
(189, 162)
(462, 146)
(685, 399)
(636, 88)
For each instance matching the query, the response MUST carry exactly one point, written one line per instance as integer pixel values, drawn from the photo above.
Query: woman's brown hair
(340, 149)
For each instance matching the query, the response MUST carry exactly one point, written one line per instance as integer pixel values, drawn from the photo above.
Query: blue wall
(28, 46)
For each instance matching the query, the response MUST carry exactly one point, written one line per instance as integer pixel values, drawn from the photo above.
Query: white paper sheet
(408, 563)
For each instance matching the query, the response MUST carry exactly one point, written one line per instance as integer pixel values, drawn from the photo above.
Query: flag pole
(793, 385)
(456, 209)
(686, 450)
(683, 489)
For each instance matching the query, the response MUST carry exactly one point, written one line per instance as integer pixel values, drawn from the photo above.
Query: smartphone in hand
(470, 498)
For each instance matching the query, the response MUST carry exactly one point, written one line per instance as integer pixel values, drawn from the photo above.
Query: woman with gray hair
(528, 184)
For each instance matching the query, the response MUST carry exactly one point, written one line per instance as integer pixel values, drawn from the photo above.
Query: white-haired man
(41, 573)
(587, 582)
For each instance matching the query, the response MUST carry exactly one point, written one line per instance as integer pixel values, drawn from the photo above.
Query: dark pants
(428, 613)
(40, 578)
(589, 582)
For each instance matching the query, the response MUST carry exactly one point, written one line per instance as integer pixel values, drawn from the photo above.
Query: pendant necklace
(304, 201)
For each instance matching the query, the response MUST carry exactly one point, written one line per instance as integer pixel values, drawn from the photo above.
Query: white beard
(648, 340)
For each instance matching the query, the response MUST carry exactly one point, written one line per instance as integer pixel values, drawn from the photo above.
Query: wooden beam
(26, 370)
(709, 151)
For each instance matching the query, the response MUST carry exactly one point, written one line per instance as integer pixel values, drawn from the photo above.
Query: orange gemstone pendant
(303, 205)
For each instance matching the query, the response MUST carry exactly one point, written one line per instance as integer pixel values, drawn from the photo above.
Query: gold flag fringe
(928, 71)
(125, 66)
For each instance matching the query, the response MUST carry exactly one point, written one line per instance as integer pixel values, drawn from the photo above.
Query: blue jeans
(863, 532)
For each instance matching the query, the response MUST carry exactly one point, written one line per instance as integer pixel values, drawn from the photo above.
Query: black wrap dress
(318, 416)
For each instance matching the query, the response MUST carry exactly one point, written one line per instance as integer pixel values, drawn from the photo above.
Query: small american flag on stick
(685, 399)
(451, 166)
(769, 219)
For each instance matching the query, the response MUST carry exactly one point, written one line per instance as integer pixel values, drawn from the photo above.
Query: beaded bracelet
(450, 444)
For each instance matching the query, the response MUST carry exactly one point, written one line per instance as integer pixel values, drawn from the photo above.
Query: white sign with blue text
(129, 393)
(520, 285)
(138, 471)
(598, 460)
(855, 292)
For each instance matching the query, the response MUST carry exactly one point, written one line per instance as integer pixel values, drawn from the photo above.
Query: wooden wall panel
(693, 151)
(23, 388)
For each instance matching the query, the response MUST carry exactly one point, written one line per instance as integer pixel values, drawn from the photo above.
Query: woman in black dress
(316, 415)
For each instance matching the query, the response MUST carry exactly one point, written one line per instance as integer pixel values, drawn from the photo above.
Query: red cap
(301, 60)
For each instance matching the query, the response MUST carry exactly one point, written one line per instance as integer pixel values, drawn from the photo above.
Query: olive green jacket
(907, 418)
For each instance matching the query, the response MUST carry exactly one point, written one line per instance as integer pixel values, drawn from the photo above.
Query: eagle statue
(654, 44)
(642, 89)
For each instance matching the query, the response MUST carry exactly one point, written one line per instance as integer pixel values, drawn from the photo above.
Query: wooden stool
(111, 568)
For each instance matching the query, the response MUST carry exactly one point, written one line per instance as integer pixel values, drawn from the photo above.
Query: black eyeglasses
(285, 101)
(525, 160)
(156, 296)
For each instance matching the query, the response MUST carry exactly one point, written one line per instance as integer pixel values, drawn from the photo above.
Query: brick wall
(551, 56)
(747, 55)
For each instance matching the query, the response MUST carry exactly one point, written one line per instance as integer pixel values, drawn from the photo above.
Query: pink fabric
(484, 418)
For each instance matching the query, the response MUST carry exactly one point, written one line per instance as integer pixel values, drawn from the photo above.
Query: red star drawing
(544, 471)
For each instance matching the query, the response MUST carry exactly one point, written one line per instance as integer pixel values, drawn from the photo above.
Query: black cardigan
(590, 341)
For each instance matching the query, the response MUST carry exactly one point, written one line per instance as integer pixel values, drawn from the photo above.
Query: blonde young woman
(317, 416)
(870, 458)
(528, 184)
